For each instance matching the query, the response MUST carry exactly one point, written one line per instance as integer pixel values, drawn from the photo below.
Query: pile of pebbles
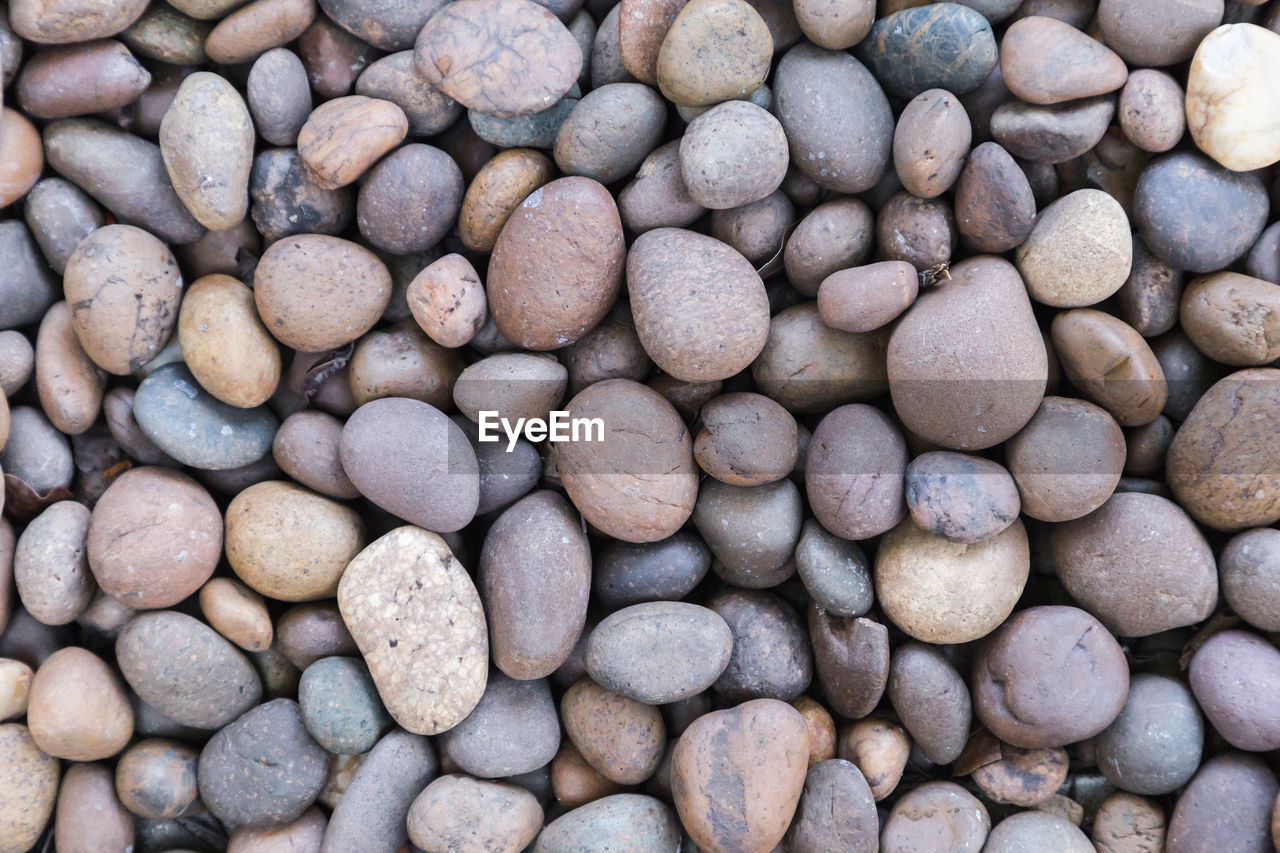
(932, 353)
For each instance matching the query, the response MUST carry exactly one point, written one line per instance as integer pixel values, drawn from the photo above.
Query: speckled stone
(28, 786)
(834, 571)
(263, 769)
(939, 46)
(417, 619)
(340, 705)
(192, 426)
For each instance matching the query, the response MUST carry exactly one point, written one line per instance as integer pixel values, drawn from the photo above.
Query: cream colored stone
(416, 616)
(1080, 251)
(1233, 96)
(15, 686)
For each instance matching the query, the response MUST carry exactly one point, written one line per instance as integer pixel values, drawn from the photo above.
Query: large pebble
(1047, 61)
(933, 811)
(556, 267)
(372, 813)
(927, 585)
(417, 619)
(1050, 676)
(27, 286)
(78, 709)
(939, 46)
(1079, 252)
(343, 138)
(962, 498)
(499, 57)
(123, 286)
(836, 812)
(620, 738)
(186, 670)
(89, 815)
(1230, 92)
(770, 657)
(851, 657)
(340, 705)
(197, 429)
(715, 50)
(932, 699)
(155, 537)
(853, 472)
(836, 117)
(1219, 465)
(1227, 806)
(1052, 134)
(28, 788)
(1153, 32)
(458, 813)
(1233, 319)
(263, 769)
(1234, 678)
(834, 571)
(718, 172)
(659, 652)
(1154, 745)
(700, 308)
(536, 615)
(948, 383)
(639, 483)
(51, 564)
(206, 139)
(1195, 215)
(513, 730)
(1139, 564)
(995, 209)
(737, 775)
(408, 458)
(626, 821)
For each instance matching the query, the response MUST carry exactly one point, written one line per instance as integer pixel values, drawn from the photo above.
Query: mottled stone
(1232, 96)
(939, 46)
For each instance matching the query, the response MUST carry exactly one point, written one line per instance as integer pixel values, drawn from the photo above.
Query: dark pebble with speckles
(285, 202)
(197, 429)
(940, 46)
(263, 769)
(1195, 215)
(340, 705)
(834, 571)
(666, 570)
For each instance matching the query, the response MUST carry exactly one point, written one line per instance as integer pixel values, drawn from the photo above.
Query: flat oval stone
(1195, 215)
(834, 571)
(186, 669)
(206, 140)
(660, 651)
(959, 497)
(500, 57)
(1227, 806)
(1047, 61)
(456, 811)
(556, 268)
(939, 46)
(666, 570)
(932, 700)
(416, 617)
(536, 615)
(1232, 95)
(644, 822)
(513, 730)
(836, 117)
(1052, 134)
(408, 458)
(263, 769)
(197, 429)
(737, 775)
(1235, 677)
(715, 50)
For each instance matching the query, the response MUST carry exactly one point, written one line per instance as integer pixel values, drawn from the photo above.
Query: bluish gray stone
(27, 286)
(340, 705)
(834, 571)
(939, 46)
(194, 427)
(532, 131)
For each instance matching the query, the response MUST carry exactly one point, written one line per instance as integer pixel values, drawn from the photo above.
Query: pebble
(1052, 134)
(1154, 746)
(1233, 678)
(939, 46)
(192, 426)
(643, 822)
(620, 738)
(713, 51)
(851, 657)
(834, 571)
(659, 652)
(186, 670)
(737, 775)
(1229, 87)
(458, 813)
(263, 769)
(434, 617)
(995, 209)
(1046, 61)
(156, 779)
(1155, 33)
(666, 570)
(1227, 806)
(340, 705)
(962, 498)
(932, 700)
(836, 812)
(1079, 252)
(513, 730)
(28, 788)
(373, 810)
(1151, 111)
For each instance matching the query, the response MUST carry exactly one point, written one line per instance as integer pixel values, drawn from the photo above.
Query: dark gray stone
(939, 46)
(834, 571)
(514, 729)
(666, 570)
